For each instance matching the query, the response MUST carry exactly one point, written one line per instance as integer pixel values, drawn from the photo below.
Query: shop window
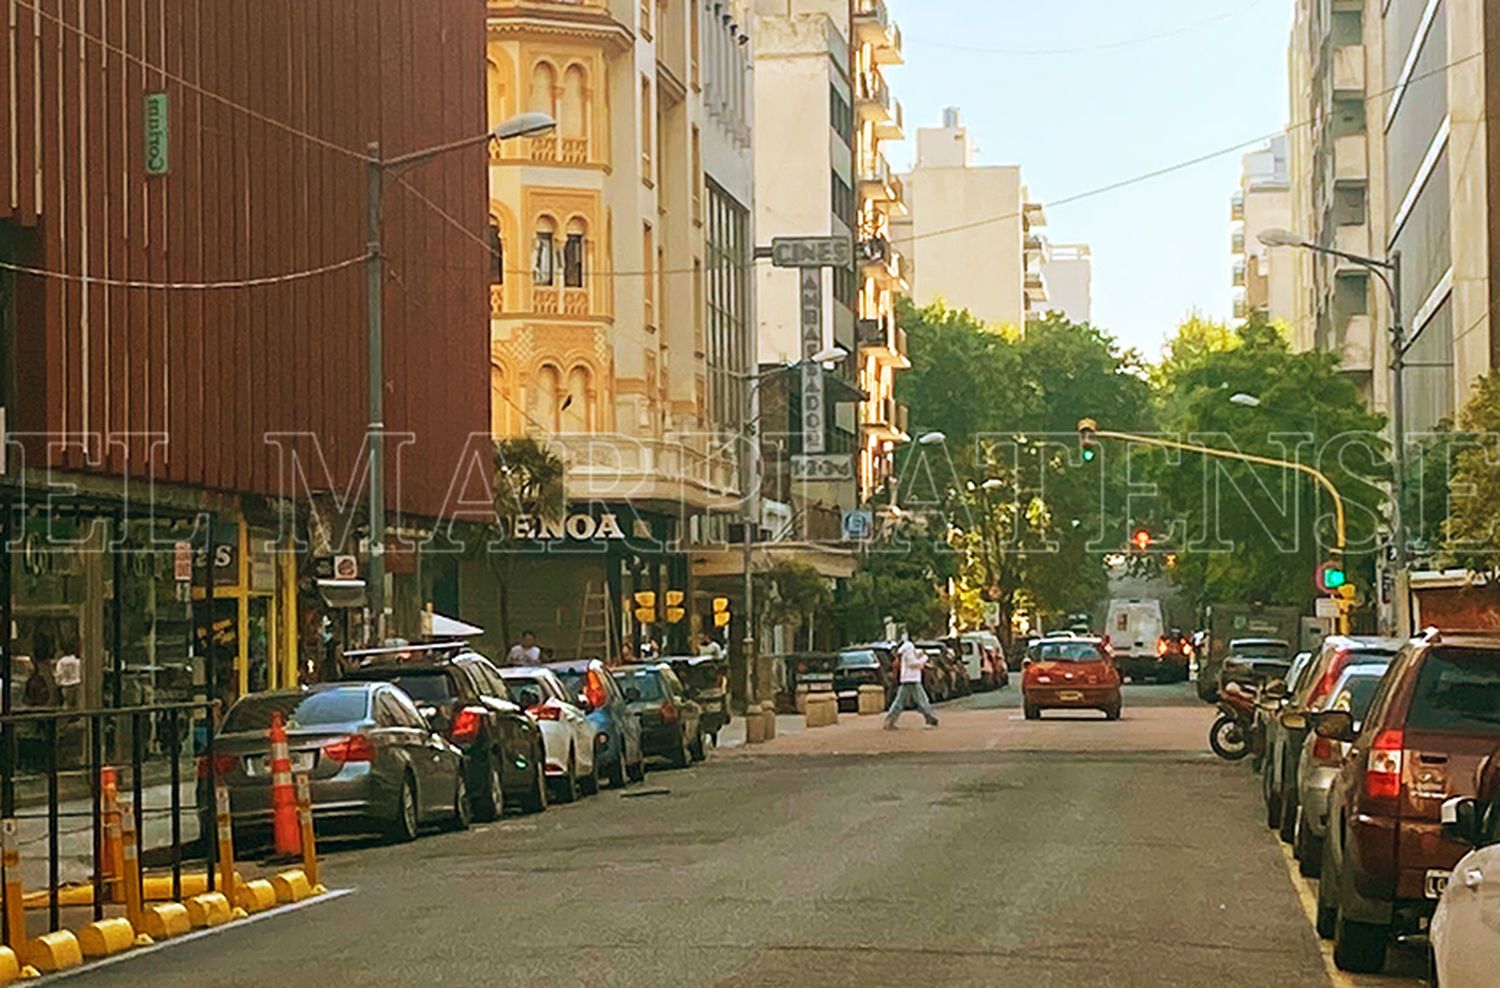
(542, 268)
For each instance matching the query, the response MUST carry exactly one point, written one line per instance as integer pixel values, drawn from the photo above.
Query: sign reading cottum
(573, 528)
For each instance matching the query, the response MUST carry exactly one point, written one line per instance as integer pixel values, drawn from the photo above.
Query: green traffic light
(1334, 578)
(1089, 453)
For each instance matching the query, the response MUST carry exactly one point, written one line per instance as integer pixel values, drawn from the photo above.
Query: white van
(1134, 626)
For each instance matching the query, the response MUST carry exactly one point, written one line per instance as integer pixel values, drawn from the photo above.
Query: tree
(903, 579)
(1474, 489)
(793, 594)
(527, 482)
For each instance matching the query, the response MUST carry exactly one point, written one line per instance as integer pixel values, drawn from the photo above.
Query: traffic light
(721, 612)
(1088, 447)
(645, 606)
(1331, 577)
(675, 611)
(1141, 539)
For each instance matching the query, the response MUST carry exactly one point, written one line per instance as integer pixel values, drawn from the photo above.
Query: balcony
(883, 339)
(874, 27)
(1357, 345)
(875, 176)
(1035, 247)
(893, 129)
(883, 418)
(1352, 238)
(872, 98)
(1036, 287)
(1349, 71)
(1237, 279)
(1237, 242)
(1237, 207)
(1033, 214)
(687, 469)
(1349, 160)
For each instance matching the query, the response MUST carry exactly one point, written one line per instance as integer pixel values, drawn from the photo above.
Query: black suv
(461, 695)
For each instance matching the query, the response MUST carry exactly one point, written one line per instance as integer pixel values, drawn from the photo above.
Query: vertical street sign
(813, 429)
(158, 157)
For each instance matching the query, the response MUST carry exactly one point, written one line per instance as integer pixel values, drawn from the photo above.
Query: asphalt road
(1141, 861)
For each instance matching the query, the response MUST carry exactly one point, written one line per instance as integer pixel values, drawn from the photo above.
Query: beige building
(1264, 279)
(621, 304)
(1068, 271)
(996, 269)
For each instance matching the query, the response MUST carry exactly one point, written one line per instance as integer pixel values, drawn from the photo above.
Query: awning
(441, 626)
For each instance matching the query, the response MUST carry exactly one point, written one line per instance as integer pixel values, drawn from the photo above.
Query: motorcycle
(1232, 735)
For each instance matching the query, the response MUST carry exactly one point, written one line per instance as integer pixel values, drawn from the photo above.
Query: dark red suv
(1432, 723)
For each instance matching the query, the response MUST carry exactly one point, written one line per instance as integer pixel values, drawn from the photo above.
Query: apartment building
(1068, 272)
(1263, 278)
(996, 270)
(622, 321)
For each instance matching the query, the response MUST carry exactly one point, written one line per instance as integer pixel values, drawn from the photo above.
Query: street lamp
(1245, 400)
(1389, 273)
(931, 439)
(376, 168)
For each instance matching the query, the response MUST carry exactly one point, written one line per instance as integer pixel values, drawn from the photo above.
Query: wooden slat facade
(213, 372)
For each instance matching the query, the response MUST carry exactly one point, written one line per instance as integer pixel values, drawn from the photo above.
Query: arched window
(574, 254)
(577, 409)
(547, 406)
(573, 123)
(497, 252)
(543, 265)
(498, 72)
(543, 95)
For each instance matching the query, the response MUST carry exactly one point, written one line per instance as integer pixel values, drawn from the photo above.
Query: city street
(986, 851)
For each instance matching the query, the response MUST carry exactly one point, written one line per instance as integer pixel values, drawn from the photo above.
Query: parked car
(569, 737)
(951, 679)
(864, 665)
(1273, 702)
(1174, 657)
(371, 759)
(1432, 723)
(671, 721)
(1319, 763)
(1314, 684)
(706, 679)
(463, 698)
(1465, 933)
(1253, 662)
(617, 731)
(813, 670)
(1072, 674)
(995, 652)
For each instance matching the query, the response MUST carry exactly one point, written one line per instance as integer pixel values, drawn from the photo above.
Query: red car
(1070, 674)
(1433, 721)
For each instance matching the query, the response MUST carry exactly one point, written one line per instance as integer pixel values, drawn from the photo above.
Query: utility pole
(375, 430)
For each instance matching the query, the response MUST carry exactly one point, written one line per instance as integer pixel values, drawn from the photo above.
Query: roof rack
(442, 646)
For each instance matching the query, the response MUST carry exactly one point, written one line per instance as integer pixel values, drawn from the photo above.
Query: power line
(186, 286)
(1105, 46)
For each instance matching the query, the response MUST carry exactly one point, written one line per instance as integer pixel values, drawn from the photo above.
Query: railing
(1349, 69)
(902, 417)
(575, 150)
(575, 301)
(620, 466)
(544, 301)
(542, 149)
(1237, 207)
(872, 90)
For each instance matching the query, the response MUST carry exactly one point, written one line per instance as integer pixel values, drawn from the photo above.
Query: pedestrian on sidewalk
(525, 652)
(912, 661)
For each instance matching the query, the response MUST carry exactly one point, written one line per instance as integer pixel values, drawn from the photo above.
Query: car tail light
(545, 712)
(669, 712)
(1325, 751)
(354, 748)
(1383, 775)
(223, 765)
(1161, 646)
(593, 690)
(466, 725)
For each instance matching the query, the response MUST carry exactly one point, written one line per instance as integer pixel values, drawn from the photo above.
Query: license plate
(302, 761)
(1436, 882)
(1070, 695)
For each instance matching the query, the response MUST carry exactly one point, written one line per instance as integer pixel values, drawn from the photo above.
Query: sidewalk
(733, 734)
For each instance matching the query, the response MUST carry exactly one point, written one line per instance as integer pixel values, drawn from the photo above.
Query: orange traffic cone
(112, 868)
(283, 796)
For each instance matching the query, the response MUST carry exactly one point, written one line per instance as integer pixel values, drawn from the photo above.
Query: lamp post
(751, 524)
(1389, 273)
(376, 170)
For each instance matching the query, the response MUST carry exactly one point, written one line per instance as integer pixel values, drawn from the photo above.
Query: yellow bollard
(104, 937)
(15, 903)
(113, 866)
(225, 827)
(55, 951)
(291, 886)
(305, 814)
(209, 909)
(162, 920)
(131, 875)
(255, 896)
(10, 966)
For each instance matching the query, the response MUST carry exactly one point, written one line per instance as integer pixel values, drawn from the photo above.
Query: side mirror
(583, 703)
(1460, 818)
(1336, 725)
(428, 711)
(1294, 720)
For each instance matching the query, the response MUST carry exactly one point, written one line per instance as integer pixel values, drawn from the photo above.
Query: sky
(1161, 82)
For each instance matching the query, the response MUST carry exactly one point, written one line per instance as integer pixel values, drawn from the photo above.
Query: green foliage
(1475, 484)
(904, 579)
(527, 480)
(793, 594)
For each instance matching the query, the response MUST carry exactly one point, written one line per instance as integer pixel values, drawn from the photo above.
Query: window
(697, 176)
(497, 254)
(542, 268)
(648, 259)
(648, 119)
(573, 261)
(695, 37)
(841, 116)
(574, 121)
(1457, 691)
(843, 201)
(543, 95)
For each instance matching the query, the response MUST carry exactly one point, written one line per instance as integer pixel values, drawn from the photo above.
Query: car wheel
(681, 756)
(698, 752)
(1306, 848)
(567, 786)
(589, 784)
(1112, 713)
(1272, 794)
(1289, 808)
(402, 827)
(637, 771)
(536, 798)
(490, 804)
(1032, 713)
(617, 771)
(1328, 909)
(462, 815)
(1359, 948)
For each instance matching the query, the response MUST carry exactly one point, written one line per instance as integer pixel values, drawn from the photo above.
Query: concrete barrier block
(291, 886)
(755, 726)
(55, 951)
(768, 714)
(10, 966)
(822, 710)
(800, 700)
(256, 896)
(104, 937)
(161, 920)
(208, 909)
(871, 700)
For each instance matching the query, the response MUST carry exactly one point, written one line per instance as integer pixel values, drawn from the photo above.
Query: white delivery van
(1134, 625)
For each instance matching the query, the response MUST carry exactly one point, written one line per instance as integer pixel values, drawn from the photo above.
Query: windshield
(334, 706)
(1458, 690)
(1355, 695)
(432, 687)
(1260, 650)
(849, 660)
(646, 681)
(1075, 651)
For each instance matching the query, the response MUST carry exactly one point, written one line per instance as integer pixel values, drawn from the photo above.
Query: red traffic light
(1141, 539)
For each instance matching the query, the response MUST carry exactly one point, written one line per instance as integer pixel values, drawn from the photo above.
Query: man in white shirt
(526, 652)
(911, 661)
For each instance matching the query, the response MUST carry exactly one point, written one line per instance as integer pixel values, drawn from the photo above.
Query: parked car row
(957, 667)
(419, 735)
(1381, 769)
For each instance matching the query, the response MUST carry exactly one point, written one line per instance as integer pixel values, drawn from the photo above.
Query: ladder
(596, 624)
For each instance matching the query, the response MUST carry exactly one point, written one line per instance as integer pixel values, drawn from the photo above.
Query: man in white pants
(912, 662)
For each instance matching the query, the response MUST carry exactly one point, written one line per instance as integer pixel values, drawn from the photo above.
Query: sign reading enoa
(573, 528)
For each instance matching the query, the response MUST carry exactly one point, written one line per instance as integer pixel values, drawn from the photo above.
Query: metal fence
(57, 788)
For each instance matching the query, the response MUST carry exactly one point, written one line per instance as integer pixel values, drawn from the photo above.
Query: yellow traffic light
(676, 614)
(675, 598)
(645, 598)
(721, 619)
(721, 605)
(645, 615)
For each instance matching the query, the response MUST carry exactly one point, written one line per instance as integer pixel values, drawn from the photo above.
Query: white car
(567, 734)
(1465, 931)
